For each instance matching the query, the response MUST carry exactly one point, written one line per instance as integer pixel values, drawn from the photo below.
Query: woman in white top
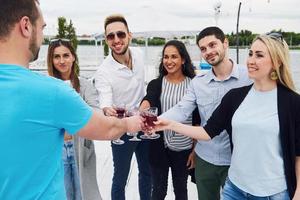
(78, 153)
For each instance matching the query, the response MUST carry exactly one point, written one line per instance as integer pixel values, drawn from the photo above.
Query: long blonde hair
(279, 53)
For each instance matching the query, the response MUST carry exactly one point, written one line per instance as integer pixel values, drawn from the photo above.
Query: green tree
(71, 34)
(62, 24)
(67, 30)
(105, 48)
(246, 38)
(156, 41)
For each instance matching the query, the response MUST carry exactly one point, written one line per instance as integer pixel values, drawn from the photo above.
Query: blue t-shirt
(35, 111)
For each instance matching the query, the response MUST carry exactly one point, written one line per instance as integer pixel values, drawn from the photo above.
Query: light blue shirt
(206, 92)
(35, 111)
(257, 164)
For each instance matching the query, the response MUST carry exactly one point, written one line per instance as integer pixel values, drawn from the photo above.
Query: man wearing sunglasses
(120, 80)
(36, 110)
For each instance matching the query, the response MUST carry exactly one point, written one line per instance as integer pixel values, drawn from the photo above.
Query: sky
(258, 16)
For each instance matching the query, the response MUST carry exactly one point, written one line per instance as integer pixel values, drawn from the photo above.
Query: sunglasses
(119, 34)
(58, 40)
(276, 36)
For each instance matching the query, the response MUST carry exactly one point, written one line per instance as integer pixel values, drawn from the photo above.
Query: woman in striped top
(171, 150)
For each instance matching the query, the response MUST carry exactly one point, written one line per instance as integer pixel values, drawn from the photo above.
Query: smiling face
(212, 49)
(259, 61)
(172, 61)
(63, 61)
(118, 43)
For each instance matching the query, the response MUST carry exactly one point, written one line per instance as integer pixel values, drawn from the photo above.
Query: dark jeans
(177, 162)
(122, 155)
(209, 179)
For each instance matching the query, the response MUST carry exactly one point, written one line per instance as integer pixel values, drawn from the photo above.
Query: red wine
(120, 112)
(150, 118)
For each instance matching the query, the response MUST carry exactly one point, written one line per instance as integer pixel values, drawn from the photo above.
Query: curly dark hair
(187, 69)
(212, 30)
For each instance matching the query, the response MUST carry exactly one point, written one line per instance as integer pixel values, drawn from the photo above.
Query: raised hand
(109, 111)
(134, 123)
(162, 124)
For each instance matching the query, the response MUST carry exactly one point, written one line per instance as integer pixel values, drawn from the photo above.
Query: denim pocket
(281, 196)
(87, 143)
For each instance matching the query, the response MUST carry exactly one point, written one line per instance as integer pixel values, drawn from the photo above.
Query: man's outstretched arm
(101, 127)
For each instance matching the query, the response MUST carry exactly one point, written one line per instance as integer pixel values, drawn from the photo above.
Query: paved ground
(105, 170)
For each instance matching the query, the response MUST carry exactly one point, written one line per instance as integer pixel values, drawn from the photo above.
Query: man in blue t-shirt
(36, 110)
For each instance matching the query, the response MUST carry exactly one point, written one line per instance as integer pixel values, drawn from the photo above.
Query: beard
(122, 52)
(33, 47)
(217, 61)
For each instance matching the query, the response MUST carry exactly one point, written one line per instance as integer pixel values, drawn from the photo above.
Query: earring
(273, 75)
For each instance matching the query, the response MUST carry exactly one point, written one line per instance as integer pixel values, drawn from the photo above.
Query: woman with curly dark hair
(171, 150)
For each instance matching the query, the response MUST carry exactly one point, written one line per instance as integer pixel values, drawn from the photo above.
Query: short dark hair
(212, 30)
(115, 18)
(187, 69)
(13, 10)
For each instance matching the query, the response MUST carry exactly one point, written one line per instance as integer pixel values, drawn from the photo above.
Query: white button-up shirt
(116, 83)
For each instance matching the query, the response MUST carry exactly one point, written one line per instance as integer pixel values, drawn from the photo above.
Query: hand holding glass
(120, 109)
(129, 113)
(150, 115)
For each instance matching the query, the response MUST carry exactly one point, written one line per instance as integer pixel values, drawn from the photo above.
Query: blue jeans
(71, 177)
(232, 192)
(177, 162)
(122, 155)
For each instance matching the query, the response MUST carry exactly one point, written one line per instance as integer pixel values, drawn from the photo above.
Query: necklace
(128, 63)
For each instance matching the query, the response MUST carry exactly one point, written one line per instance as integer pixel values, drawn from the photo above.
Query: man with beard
(36, 110)
(120, 80)
(206, 91)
